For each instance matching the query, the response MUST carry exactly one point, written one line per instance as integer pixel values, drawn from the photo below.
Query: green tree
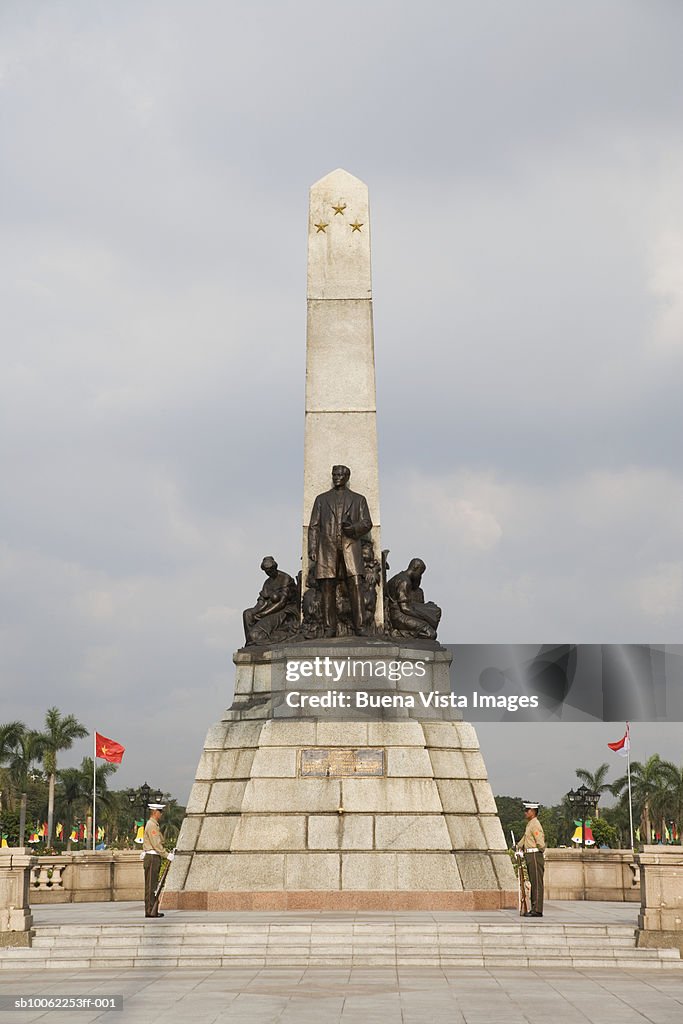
(60, 733)
(595, 781)
(605, 833)
(74, 791)
(511, 816)
(10, 737)
(549, 819)
(649, 782)
(618, 818)
(70, 798)
(28, 751)
(676, 799)
(172, 820)
(102, 773)
(9, 826)
(667, 803)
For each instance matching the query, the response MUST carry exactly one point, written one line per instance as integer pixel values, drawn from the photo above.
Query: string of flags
(77, 834)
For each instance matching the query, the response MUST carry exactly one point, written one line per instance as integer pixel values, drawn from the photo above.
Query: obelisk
(341, 410)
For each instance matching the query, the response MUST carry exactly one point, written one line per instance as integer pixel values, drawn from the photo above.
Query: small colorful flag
(59, 832)
(587, 833)
(139, 831)
(100, 833)
(3, 844)
(109, 750)
(74, 834)
(622, 746)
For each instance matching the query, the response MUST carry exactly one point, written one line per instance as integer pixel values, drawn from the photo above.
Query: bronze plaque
(338, 762)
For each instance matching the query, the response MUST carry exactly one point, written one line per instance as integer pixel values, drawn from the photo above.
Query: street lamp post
(584, 799)
(139, 798)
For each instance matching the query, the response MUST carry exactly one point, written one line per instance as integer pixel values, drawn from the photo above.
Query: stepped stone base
(327, 940)
(418, 829)
(358, 899)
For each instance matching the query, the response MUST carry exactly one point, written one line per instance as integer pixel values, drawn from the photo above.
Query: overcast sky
(524, 161)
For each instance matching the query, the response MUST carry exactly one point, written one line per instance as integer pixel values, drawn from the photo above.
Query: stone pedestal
(16, 919)
(660, 922)
(311, 812)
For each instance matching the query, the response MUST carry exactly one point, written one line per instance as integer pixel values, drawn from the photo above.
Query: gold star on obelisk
(320, 227)
(339, 208)
(356, 226)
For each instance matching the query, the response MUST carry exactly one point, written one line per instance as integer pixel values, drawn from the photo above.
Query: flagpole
(94, 787)
(628, 772)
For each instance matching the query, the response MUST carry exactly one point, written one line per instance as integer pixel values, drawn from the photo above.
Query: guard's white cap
(530, 805)
(156, 807)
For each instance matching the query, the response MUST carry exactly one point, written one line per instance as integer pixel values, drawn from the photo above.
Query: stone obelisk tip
(339, 238)
(339, 178)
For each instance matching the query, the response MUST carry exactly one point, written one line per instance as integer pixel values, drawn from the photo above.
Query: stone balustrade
(87, 877)
(592, 875)
(16, 919)
(660, 922)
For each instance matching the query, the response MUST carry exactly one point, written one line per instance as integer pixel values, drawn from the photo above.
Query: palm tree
(28, 750)
(677, 801)
(102, 771)
(172, 820)
(595, 781)
(70, 796)
(668, 804)
(648, 784)
(60, 733)
(10, 737)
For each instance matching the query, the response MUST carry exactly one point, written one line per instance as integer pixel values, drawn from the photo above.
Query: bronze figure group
(340, 597)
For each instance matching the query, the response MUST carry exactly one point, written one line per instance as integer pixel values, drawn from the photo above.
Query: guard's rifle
(160, 885)
(523, 903)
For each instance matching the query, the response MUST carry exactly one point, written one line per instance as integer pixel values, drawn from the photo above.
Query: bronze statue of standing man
(339, 519)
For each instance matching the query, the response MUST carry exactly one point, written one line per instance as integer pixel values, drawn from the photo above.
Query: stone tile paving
(362, 996)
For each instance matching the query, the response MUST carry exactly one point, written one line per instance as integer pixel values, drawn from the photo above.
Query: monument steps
(337, 943)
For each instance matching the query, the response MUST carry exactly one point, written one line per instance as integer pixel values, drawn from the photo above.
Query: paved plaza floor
(369, 995)
(556, 912)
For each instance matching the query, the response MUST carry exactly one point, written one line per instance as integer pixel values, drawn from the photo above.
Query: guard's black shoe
(155, 915)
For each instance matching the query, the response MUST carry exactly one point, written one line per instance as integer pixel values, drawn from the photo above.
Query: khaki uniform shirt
(152, 840)
(533, 838)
